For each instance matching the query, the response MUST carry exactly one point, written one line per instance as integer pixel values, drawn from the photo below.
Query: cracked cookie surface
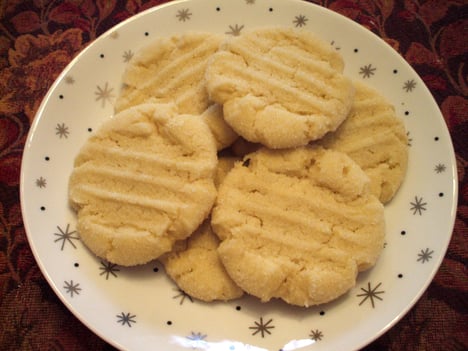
(194, 263)
(297, 224)
(144, 180)
(280, 87)
(171, 70)
(375, 137)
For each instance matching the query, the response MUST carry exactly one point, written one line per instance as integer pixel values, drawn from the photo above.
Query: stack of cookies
(247, 164)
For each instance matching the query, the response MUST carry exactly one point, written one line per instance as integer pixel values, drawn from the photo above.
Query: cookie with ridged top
(194, 263)
(375, 137)
(171, 70)
(195, 267)
(144, 180)
(281, 87)
(297, 224)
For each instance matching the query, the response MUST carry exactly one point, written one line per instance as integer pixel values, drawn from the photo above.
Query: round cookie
(194, 263)
(195, 266)
(144, 180)
(297, 224)
(171, 70)
(279, 86)
(376, 139)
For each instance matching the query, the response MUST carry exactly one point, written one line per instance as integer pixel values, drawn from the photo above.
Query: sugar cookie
(375, 138)
(297, 224)
(194, 263)
(171, 70)
(144, 180)
(279, 86)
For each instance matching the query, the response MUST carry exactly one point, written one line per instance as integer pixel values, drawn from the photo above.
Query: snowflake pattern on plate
(425, 255)
(127, 56)
(184, 15)
(182, 295)
(69, 80)
(316, 335)
(104, 94)
(108, 269)
(334, 44)
(409, 85)
(440, 168)
(72, 288)
(126, 319)
(369, 294)
(367, 71)
(262, 328)
(41, 182)
(197, 340)
(409, 138)
(62, 130)
(235, 30)
(418, 205)
(300, 21)
(66, 237)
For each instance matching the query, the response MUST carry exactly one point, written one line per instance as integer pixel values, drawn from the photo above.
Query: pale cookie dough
(376, 139)
(171, 70)
(224, 135)
(195, 267)
(144, 180)
(297, 224)
(279, 86)
(194, 263)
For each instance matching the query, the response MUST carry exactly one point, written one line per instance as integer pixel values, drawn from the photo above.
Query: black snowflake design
(235, 30)
(62, 130)
(418, 206)
(184, 15)
(316, 335)
(108, 269)
(126, 319)
(127, 55)
(409, 85)
(300, 20)
(370, 294)
(182, 295)
(104, 94)
(66, 236)
(41, 182)
(425, 255)
(261, 327)
(367, 71)
(72, 288)
(440, 168)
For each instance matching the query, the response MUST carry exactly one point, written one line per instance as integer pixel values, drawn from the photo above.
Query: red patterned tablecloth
(38, 38)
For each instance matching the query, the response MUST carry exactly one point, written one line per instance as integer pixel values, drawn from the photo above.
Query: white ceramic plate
(140, 308)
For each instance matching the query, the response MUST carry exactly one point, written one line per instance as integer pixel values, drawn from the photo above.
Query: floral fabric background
(38, 38)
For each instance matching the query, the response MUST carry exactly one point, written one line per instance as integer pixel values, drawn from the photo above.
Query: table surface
(39, 38)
